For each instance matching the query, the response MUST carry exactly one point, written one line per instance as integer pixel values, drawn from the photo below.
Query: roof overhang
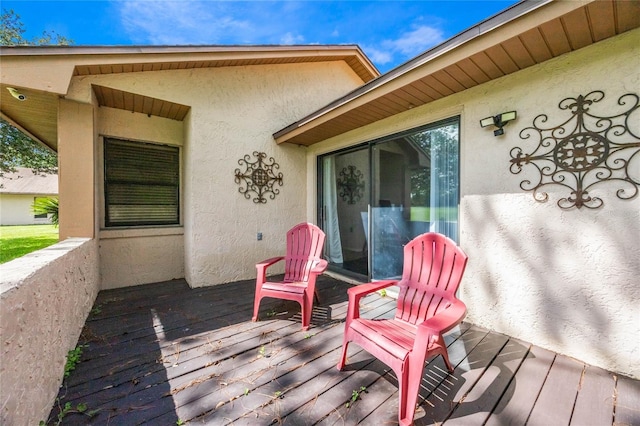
(526, 34)
(43, 74)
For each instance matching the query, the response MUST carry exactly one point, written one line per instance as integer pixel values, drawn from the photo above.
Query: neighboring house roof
(24, 181)
(526, 34)
(43, 75)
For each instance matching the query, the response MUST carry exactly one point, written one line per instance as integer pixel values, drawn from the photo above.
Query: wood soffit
(430, 76)
(114, 98)
(37, 117)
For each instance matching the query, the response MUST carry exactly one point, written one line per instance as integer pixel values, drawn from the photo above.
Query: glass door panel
(415, 190)
(344, 206)
(377, 197)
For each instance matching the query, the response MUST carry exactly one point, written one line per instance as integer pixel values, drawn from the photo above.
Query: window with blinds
(141, 183)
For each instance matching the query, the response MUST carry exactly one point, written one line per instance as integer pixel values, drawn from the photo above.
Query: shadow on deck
(165, 354)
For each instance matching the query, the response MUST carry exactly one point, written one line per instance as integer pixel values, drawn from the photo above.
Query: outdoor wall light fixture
(499, 121)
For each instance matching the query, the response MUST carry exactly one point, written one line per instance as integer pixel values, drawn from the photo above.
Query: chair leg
(411, 387)
(307, 311)
(445, 355)
(405, 413)
(343, 356)
(256, 305)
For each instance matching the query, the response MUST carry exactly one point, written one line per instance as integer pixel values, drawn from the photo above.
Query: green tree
(16, 148)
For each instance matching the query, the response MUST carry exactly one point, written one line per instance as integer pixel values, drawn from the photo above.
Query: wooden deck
(165, 354)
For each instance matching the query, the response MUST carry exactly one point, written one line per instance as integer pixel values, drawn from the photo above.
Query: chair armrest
(262, 268)
(440, 323)
(358, 292)
(269, 262)
(319, 267)
(364, 289)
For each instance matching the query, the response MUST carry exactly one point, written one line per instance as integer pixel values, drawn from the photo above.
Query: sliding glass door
(377, 197)
(344, 203)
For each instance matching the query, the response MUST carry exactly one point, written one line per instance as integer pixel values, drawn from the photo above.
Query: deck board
(490, 388)
(444, 400)
(594, 404)
(163, 353)
(521, 394)
(627, 409)
(553, 407)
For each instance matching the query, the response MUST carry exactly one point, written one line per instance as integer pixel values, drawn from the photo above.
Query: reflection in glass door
(376, 198)
(415, 190)
(345, 197)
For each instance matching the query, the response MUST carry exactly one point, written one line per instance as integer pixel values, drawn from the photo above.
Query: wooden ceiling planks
(627, 15)
(580, 36)
(119, 99)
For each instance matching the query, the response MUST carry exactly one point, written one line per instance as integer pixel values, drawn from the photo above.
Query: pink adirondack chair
(426, 309)
(302, 266)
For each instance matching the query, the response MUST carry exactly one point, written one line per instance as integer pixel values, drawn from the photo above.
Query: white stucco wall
(565, 280)
(138, 256)
(234, 112)
(45, 298)
(15, 209)
(239, 110)
(142, 256)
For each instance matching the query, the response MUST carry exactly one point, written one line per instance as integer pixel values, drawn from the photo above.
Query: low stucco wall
(45, 298)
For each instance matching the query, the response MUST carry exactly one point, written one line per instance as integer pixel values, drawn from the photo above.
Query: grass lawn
(16, 241)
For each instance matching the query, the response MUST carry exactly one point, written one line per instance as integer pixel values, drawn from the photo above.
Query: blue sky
(389, 32)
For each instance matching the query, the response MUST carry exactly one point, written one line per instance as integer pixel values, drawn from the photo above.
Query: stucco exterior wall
(233, 113)
(240, 110)
(45, 298)
(564, 280)
(137, 256)
(15, 209)
(76, 174)
(140, 257)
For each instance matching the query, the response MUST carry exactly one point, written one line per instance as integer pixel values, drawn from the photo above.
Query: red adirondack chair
(426, 309)
(302, 265)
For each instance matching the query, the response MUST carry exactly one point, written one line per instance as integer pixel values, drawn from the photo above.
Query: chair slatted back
(304, 247)
(432, 271)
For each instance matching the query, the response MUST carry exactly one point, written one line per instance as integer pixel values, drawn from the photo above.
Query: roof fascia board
(164, 50)
(45, 74)
(528, 14)
(50, 68)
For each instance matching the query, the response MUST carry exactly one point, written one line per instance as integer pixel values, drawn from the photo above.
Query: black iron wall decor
(259, 177)
(583, 151)
(350, 184)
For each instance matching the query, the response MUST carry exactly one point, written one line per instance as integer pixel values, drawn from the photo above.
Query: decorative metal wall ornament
(350, 184)
(258, 177)
(582, 152)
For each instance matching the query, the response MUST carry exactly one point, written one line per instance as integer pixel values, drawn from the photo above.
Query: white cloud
(405, 47)
(171, 22)
(183, 22)
(377, 56)
(417, 41)
(289, 39)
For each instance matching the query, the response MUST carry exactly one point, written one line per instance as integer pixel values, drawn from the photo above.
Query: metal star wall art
(350, 184)
(258, 177)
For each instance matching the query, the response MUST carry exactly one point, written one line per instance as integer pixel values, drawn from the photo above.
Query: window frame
(108, 222)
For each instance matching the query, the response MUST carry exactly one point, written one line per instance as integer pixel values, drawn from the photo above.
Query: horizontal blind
(141, 183)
